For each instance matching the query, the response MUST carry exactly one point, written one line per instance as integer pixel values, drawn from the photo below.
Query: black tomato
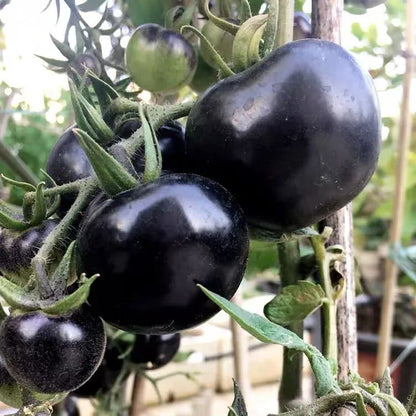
(294, 138)
(18, 249)
(152, 244)
(171, 139)
(155, 351)
(52, 354)
(66, 163)
(104, 378)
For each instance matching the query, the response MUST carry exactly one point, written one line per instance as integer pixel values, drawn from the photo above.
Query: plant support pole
(387, 313)
(326, 24)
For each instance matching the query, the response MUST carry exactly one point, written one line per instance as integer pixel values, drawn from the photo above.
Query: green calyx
(153, 157)
(112, 176)
(89, 118)
(32, 213)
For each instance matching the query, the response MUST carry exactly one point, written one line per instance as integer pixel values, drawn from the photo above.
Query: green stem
(55, 239)
(17, 165)
(330, 402)
(271, 30)
(411, 404)
(285, 29)
(290, 391)
(330, 344)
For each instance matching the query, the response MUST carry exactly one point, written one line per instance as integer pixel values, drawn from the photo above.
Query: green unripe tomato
(221, 40)
(159, 60)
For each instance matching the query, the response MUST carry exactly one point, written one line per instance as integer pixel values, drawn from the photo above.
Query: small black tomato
(52, 354)
(155, 351)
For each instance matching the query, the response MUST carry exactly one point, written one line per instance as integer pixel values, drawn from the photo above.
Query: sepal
(112, 176)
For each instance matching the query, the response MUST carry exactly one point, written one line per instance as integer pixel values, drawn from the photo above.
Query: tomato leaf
(396, 408)
(269, 332)
(294, 303)
(405, 258)
(238, 408)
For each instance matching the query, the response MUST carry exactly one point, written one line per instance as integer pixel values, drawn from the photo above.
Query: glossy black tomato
(52, 354)
(155, 351)
(66, 163)
(159, 59)
(294, 138)
(153, 244)
(105, 376)
(171, 139)
(18, 248)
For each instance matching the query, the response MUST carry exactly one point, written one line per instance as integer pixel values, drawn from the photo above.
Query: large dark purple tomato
(293, 138)
(151, 245)
(52, 354)
(155, 351)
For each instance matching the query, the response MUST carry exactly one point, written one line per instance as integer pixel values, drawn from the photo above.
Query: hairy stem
(56, 237)
(330, 347)
(290, 391)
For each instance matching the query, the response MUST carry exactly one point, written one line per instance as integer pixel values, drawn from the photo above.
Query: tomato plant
(152, 244)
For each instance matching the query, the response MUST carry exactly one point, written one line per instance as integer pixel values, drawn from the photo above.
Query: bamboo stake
(137, 407)
(326, 23)
(385, 333)
(241, 352)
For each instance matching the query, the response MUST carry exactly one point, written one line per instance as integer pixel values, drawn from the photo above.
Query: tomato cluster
(273, 148)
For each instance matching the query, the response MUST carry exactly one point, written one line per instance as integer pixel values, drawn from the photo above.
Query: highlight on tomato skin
(294, 138)
(152, 245)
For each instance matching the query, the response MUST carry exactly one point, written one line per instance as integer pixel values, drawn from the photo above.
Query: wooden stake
(137, 406)
(386, 326)
(241, 352)
(326, 23)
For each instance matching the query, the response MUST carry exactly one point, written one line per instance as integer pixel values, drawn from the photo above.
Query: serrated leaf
(91, 5)
(294, 303)
(112, 176)
(238, 408)
(269, 332)
(73, 301)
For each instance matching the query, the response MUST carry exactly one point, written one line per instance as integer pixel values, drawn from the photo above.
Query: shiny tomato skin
(52, 354)
(294, 138)
(18, 248)
(155, 351)
(152, 245)
(66, 163)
